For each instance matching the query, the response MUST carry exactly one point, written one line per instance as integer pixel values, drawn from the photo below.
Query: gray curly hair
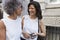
(11, 6)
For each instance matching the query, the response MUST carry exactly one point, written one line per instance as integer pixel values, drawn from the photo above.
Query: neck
(14, 17)
(32, 17)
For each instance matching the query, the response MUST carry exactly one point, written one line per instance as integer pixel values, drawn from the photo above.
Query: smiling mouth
(31, 12)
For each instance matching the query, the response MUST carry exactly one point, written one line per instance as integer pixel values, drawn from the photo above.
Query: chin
(32, 14)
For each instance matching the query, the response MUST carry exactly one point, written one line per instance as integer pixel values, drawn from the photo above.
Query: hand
(33, 35)
(36, 34)
(26, 35)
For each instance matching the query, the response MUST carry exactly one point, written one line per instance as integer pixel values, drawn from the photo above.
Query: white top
(13, 28)
(30, 25)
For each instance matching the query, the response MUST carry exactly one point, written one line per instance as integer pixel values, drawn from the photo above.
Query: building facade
(51, 18)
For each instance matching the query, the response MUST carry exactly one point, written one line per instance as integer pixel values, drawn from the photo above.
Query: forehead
(32, 5)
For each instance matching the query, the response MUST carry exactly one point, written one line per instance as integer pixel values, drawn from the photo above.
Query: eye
(31, 8)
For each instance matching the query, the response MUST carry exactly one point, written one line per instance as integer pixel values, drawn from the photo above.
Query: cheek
(33, 11)
(29, 10)
(19, 11)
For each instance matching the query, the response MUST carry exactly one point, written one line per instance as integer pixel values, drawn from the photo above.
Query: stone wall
(51, 13)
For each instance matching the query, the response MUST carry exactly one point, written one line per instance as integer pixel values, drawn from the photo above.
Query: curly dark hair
(11, 6)
(37, 7)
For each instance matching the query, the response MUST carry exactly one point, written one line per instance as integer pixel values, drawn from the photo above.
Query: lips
(32, 12)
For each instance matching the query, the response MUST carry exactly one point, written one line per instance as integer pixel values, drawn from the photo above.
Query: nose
(30, 9)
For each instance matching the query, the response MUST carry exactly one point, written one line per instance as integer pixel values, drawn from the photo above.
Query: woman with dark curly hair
(32, 22)
(10, 27)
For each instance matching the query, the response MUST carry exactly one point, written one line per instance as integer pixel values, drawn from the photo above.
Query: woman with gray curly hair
(10, 27)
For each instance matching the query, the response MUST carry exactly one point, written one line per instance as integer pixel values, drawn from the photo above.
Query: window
(54, 1)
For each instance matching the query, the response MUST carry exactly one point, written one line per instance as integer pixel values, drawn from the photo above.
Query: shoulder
(41, 21)
(2, 26)
(25, 16)
(1, 23)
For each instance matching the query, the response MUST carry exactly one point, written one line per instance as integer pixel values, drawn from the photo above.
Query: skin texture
(2, 31)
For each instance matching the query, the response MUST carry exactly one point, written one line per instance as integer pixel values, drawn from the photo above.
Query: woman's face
(32, 10)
